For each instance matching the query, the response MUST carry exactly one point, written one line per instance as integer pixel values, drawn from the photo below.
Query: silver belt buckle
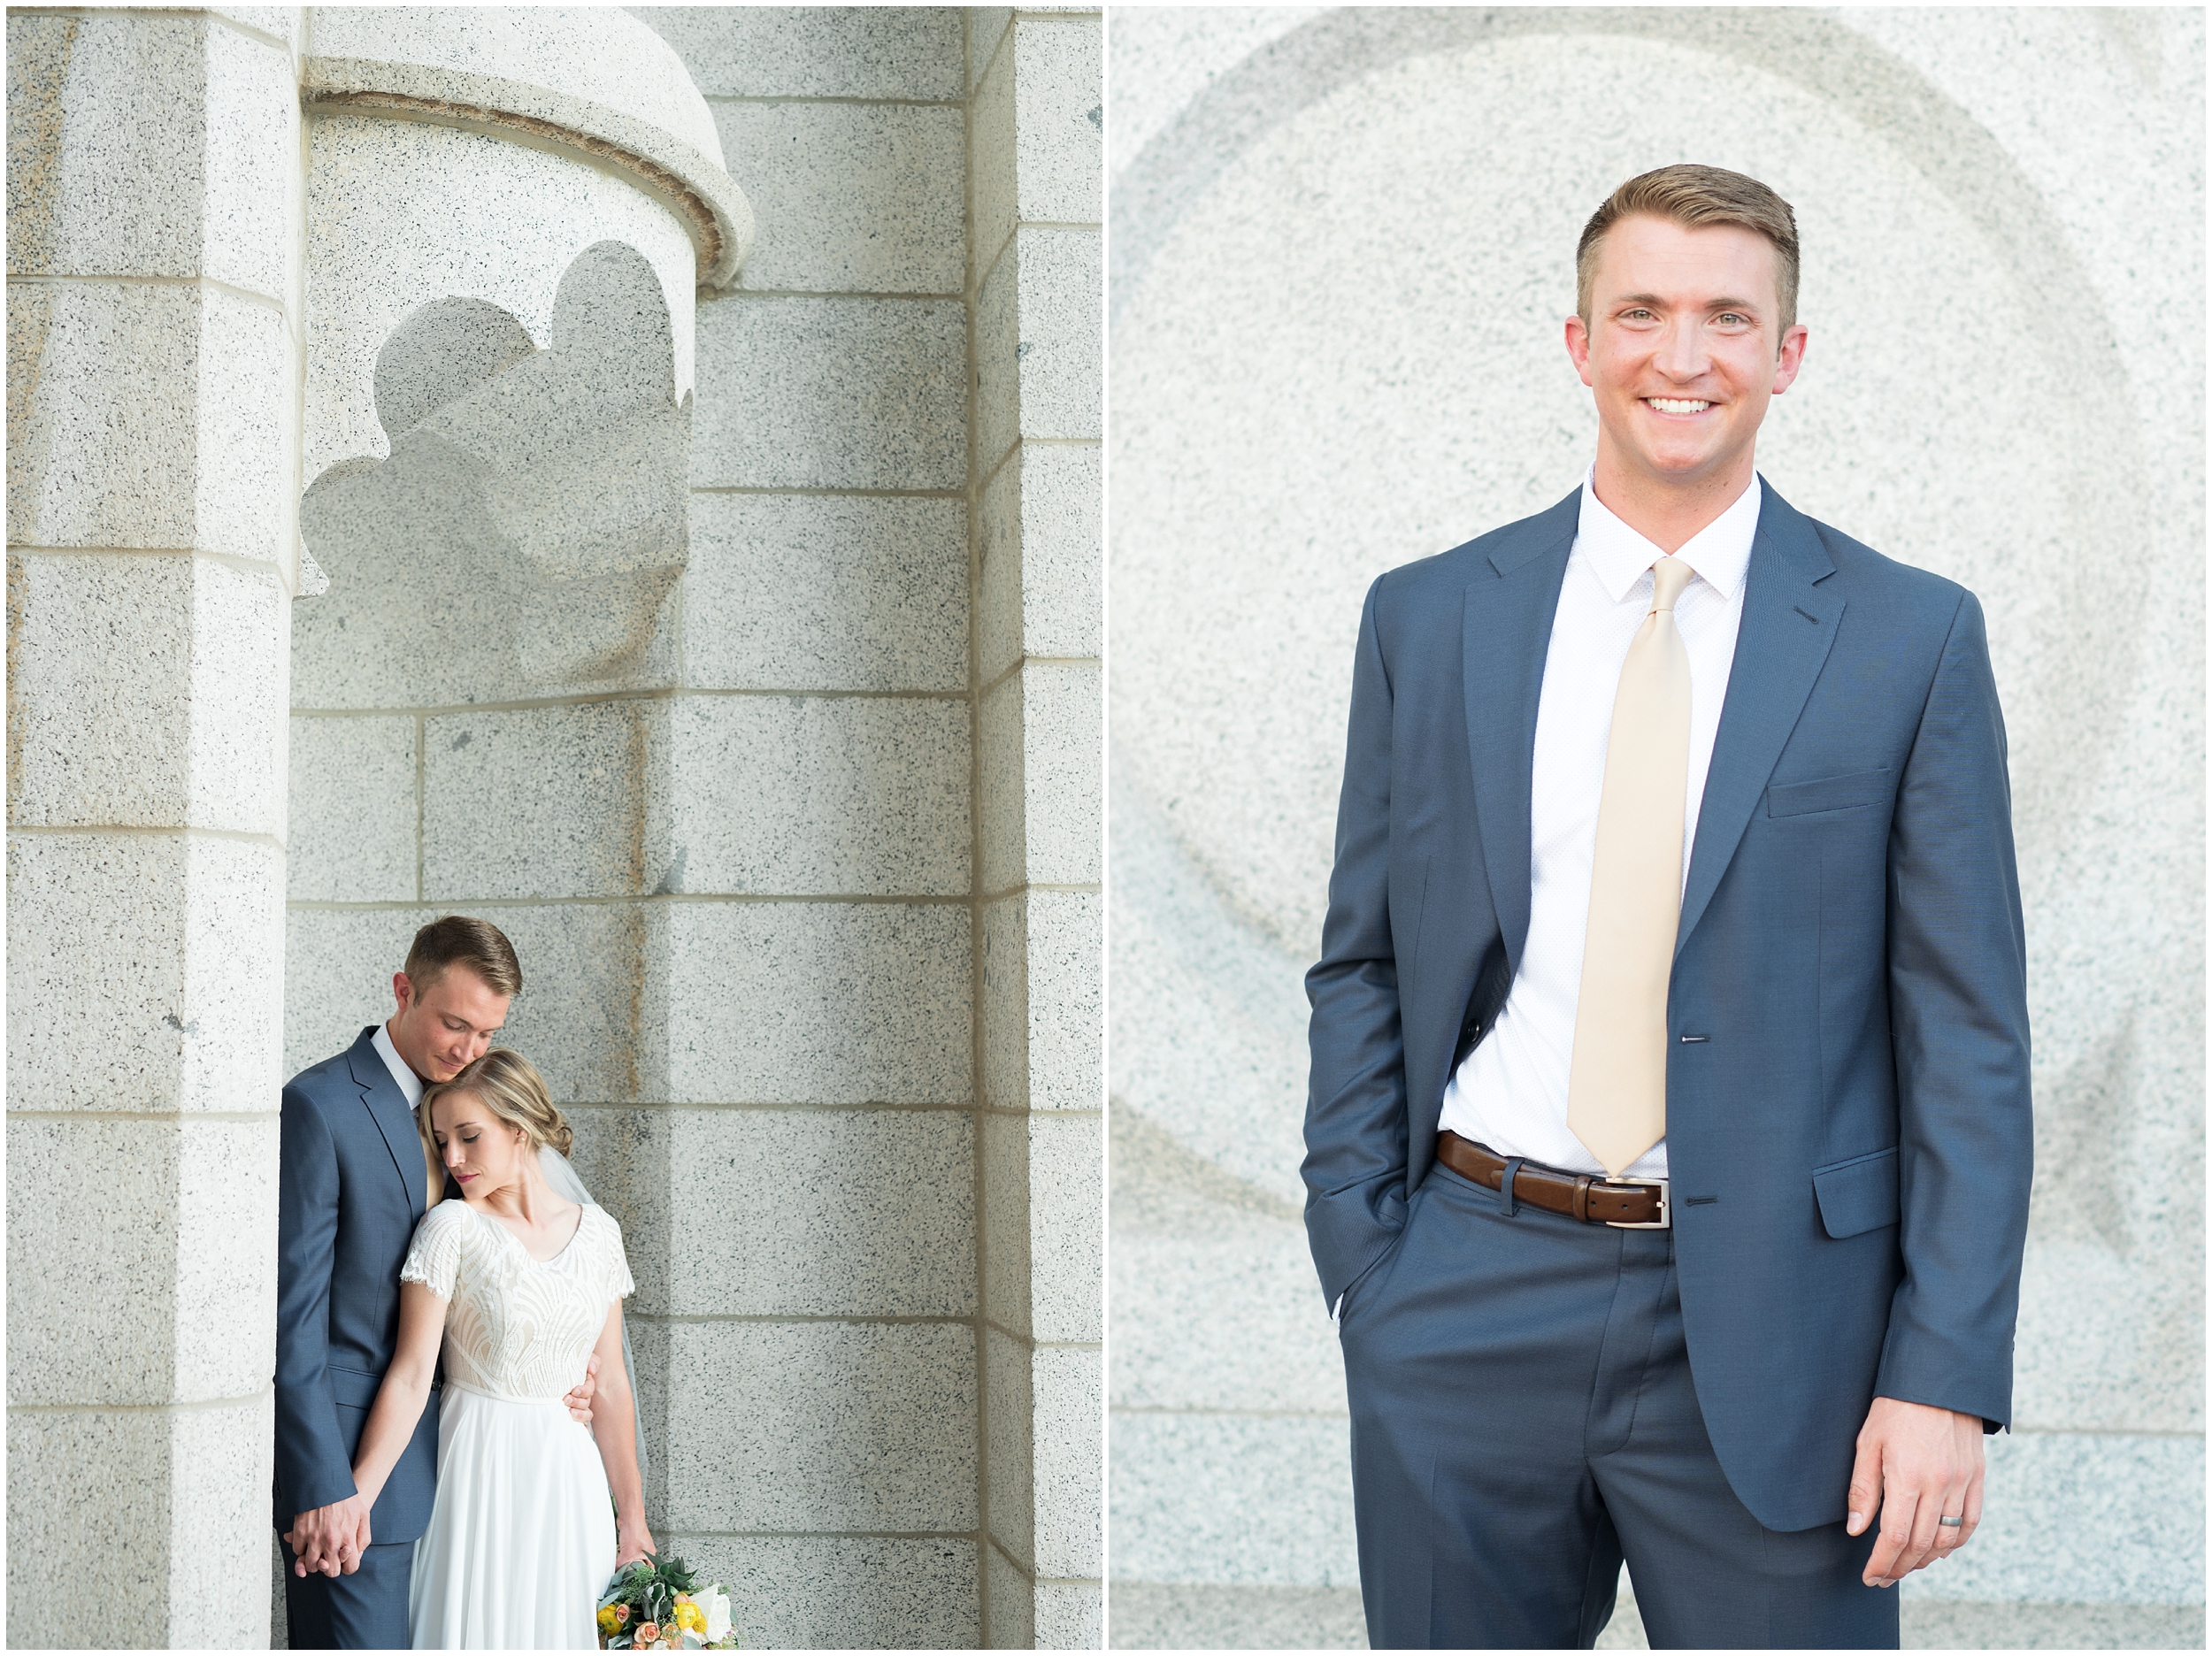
(1664, 1221)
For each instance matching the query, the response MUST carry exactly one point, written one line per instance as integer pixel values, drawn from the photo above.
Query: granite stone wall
(828, 1336)
(154, 340)
(682, 443)
(1342, 247)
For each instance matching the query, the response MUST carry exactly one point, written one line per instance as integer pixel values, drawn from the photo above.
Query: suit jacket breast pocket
(1831, 793)
(1857, 1195)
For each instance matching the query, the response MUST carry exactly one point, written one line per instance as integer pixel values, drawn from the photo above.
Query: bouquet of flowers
(652, 1605)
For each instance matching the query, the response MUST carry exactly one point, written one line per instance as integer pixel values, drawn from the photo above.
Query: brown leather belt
(1625, 1204)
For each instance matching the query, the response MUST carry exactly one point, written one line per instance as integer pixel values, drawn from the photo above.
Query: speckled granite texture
(641, 621)
(153, 327)
(1035, 118)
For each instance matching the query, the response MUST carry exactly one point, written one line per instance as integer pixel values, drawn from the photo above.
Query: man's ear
(402, 991)
(1789, 357)
(1578, 335)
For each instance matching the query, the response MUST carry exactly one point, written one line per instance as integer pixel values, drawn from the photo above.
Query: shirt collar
(1618, 555)
(410, 1083)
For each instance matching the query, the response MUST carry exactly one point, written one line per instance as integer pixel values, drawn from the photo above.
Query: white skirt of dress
(521, 1539)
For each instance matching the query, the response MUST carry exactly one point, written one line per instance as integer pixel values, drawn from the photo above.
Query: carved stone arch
(523, 535)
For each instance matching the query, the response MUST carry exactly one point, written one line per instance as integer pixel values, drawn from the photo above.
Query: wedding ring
(1952, 1523)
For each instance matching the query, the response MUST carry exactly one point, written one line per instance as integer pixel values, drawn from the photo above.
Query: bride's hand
(631, 1545)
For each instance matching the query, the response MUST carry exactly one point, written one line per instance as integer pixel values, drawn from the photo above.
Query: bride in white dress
(523, 1285)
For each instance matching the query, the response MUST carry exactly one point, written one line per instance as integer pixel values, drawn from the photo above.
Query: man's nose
(1682, 354)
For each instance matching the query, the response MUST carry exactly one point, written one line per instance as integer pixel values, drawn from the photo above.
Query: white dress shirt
(410, 1083)
(1511, 1092)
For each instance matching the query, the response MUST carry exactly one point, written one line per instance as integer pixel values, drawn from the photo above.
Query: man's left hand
(579, 1401)
(1917, 1465)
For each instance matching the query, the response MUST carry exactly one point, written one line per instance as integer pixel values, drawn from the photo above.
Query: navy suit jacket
(1849, 1144)
(351, 1190)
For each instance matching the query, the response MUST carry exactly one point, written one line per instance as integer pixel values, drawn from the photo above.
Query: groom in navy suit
(1668, 1132)
(355, 1179)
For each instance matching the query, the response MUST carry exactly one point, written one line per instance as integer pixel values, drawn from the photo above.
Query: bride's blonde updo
(511, 1088)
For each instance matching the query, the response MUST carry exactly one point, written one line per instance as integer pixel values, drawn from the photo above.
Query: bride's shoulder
(606, 1231)
(440, 1243)
(445, 1219)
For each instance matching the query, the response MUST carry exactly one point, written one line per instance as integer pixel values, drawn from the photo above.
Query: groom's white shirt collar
(410, 1083)
(1618, 555)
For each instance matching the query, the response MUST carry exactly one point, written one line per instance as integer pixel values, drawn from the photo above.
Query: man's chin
(1687, 466)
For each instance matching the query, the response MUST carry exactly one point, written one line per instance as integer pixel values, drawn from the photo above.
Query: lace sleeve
(618, 1284)
(433, 1258)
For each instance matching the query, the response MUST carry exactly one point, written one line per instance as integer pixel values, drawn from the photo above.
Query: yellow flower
(608, 1621)
(689, 1615)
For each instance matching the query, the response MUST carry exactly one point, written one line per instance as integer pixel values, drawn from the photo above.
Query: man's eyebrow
(1654, 300)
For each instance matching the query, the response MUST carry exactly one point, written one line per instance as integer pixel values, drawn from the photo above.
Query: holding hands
(330, 1539)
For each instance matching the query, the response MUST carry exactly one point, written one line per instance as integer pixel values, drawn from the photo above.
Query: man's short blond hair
(1695, 197)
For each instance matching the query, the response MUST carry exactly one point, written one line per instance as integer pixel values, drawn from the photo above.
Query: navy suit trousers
(366, 1610)
(1524, 1416)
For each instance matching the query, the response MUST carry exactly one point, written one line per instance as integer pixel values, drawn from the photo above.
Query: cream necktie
(1617, 1084)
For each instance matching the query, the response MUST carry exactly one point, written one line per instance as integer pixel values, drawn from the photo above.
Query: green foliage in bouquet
(654, 1606)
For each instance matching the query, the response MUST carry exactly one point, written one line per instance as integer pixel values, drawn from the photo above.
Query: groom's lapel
(1509, 606)
(1789, 623)
(388, 1108)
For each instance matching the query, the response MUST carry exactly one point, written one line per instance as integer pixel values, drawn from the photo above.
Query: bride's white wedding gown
(521, 1541)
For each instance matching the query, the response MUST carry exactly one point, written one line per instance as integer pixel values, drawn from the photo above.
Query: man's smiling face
(1681, 350)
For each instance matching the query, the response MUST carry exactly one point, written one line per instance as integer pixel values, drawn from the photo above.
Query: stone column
(153, 384)
(1035, 144)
